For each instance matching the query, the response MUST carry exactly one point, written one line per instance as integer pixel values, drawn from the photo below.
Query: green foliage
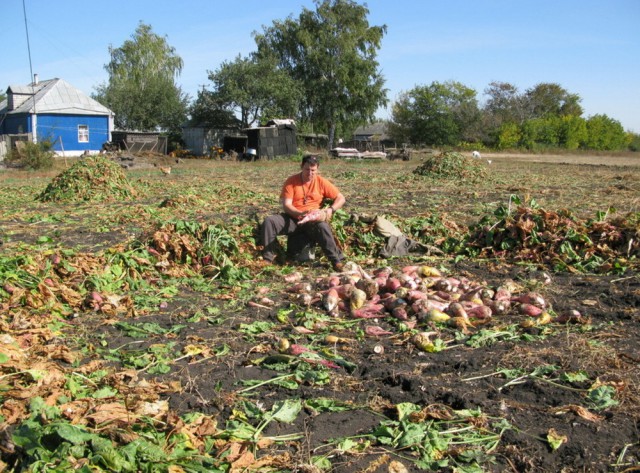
(92, 179)
(509, 136)
(440, 114)
(435, 444)
(255, 88)
(541, 133)
(573, 132)
(32, 155)
(551, 100)
(634, 141)
(141, 89)
(56, 445)
(332, 53)
(605, 134)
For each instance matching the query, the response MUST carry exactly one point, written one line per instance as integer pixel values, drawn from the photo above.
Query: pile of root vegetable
(95, 178)
(419, 296)
(451, 165)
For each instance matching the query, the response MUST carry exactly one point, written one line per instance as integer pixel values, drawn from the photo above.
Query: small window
(83, 134)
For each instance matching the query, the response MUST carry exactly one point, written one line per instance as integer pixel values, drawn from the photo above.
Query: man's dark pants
(299, 237)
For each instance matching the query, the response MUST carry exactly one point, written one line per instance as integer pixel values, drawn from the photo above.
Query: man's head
(309, 167)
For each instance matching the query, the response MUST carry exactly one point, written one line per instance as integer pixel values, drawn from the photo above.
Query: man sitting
(301, 196)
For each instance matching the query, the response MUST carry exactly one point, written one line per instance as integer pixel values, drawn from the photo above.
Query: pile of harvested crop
(91, 179)
(559, 239)
(452, 165)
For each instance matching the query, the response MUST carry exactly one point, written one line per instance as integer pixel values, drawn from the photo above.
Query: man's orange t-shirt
(310, 196)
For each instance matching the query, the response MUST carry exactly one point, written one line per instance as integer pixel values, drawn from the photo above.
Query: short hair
(310, 159)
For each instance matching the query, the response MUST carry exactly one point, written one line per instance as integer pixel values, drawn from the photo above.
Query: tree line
(321, 69)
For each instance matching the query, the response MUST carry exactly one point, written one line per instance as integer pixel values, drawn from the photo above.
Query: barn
(55, 111)
(277, 138)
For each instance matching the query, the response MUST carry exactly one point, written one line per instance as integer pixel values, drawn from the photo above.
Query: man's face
(309, 171)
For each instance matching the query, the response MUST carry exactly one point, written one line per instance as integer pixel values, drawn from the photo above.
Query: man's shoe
(338, 266)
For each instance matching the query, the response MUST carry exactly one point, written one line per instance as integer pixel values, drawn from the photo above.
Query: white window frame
(83, 133)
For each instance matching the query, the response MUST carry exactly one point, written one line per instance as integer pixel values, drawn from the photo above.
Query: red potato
(344, 291)
(416, 295)
(299, 288)
(570, 316)
(479, 312)
(392, 284)
(530, 310)
(330, 299)
(369, 286)
(502, 294)
(456, 309)
(532, 298)
(411, 270)
(368, 312)
(375, 331)
(499, 307)
(400, 313)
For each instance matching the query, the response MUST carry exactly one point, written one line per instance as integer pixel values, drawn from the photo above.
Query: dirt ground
(511, 368)
(458, 378)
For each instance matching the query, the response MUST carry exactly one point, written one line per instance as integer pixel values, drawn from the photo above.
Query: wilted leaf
(555, 439)
(581, 411)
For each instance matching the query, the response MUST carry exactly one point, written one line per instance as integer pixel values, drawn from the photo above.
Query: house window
(83, 133)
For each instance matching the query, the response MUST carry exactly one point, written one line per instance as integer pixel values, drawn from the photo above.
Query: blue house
(56, 111)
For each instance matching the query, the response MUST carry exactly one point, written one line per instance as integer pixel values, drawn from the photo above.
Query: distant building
(55, 111)
(372, 137)
(277, 138)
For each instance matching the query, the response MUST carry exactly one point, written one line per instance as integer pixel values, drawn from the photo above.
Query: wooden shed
(277, 138)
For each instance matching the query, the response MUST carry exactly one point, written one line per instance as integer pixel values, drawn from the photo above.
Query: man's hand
(314, 216)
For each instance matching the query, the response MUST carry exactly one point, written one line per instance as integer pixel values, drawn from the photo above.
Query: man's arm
(287, 206)
(337, 204)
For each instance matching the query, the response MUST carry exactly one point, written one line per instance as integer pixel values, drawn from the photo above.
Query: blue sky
(589, 47)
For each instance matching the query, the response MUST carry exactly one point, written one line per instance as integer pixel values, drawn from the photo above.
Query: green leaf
(413, 434)
(405, 409)
(73, 434)
(287, 410)
(327, 405)
(104, 392)
(603, 397)
(4, 358)
(575, 377)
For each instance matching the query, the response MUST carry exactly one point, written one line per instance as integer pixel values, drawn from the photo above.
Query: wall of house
(15, 124)
(63, 131)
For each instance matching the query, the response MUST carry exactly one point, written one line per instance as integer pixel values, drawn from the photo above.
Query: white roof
(54, 96)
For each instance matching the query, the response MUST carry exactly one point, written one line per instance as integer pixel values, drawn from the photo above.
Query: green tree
(208, 111)
(605, 134)
(509, 136)
(548, 99)
(438, 114)
(255, 89)
(540, 133)
(573, 132)
(634, 141)
(141, 90)
(505, 104)
(332, 53)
